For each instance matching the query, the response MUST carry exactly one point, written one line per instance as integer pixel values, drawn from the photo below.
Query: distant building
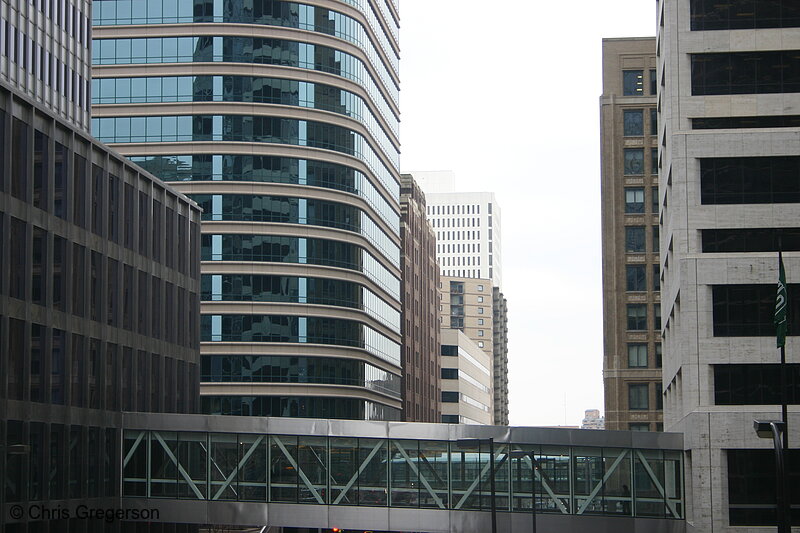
(630, 233)
(500, 356)
(466, 380)
(421, 359)
(593, 420)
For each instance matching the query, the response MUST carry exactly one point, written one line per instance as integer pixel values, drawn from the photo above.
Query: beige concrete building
(729, 133)
(467, 305)
(466, 380)
(631, 280)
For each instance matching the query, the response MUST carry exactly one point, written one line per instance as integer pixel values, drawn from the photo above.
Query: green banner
(781, 299)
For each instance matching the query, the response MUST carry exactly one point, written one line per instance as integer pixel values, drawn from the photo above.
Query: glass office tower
(281, 120)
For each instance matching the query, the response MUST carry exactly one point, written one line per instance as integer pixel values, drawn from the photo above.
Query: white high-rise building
(729, 185)
(467, 226)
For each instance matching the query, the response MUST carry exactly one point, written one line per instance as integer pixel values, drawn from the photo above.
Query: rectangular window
(751, 240)
(653, 121)
(113, 208)
(95, 286)
(39, 270)
(633, 122)
(709, 15)
(18, 259)
(639, 426)
(654, 161)
(16, 359)
(78, 280)
(79, 191)
(77, 375)
(634, 200)
(41, 169)
(449, 397)
(633, 161)
(653, 82)
(755, 384)
(36, 361)
(638, 396)
(656, 240)
(634, 239)
(750, 180)
(637, 317)
(657, 317)
(752, 485)
(656, 278)
(764, 72)
(658, 355)
(748, 310)
(112, 293)
(637, 356)
(60, 177)
(635, 278)
(655, 200)
(19, 160)
(98, 181)
(632, 82)
(129, 217)
(449, 373)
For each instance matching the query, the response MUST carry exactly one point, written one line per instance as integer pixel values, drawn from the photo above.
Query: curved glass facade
(301, 290)
(286, 369)
(298, 407)
(289, 210)
(261, 12)
(351, 98)
(298, 250)
(247, 89)
(270, 169)
(247, 128)
(225, 49)
(298, 329)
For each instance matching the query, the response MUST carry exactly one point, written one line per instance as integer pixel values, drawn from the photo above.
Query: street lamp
(463, 443)
(766, 429)
(519, 454)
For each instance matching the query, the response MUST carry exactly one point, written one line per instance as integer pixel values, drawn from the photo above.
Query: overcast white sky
(506, 94)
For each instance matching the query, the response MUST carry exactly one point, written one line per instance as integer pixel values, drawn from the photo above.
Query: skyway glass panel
(407, 473)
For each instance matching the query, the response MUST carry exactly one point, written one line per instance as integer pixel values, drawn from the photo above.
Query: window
(653, 121)
(750, 240)
(653, 82)
(634, 200)
(480, 310)
(480, 321)
(634, 238)
(480, 344)
(656, 278)
(633, 122)
(638, 396)
(637, 317)
(634, 161)
(654, 161)
(750, 180)
(639, 426)
(751, 485)
(755, 384)
(729, 15)
(654, 199)
(729, 123)
(449, 373)
(637, 356)
(748, 310)
(658, 355)
(480, 288)
(449, 397)
(657, 317)
(764, 72)
(635, 277)
(632, 82)
(480, 333)
(480, 299)
(656, 240)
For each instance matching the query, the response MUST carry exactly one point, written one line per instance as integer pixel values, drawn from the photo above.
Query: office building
(420, 298)
(500, 357)
(99, 281)
(729, 94)
(593, 420)
(466, 380)
(467, 226)
(281, 120)
(630, 233)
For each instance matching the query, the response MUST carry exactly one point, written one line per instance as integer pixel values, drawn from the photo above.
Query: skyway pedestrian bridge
(394, 476)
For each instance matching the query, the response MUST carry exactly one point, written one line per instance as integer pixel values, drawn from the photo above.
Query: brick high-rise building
(629, 196)
(420, 298)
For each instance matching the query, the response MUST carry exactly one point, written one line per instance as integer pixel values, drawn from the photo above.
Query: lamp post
(518, 454)
(772, 429)
(463, 443)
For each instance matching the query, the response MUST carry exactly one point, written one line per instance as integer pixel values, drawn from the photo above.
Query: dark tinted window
(755, 384)
(449, 349)
(632, 82)
(751, 240)
(746, 73)
(634, 239)
(633, 122)
(773, 121)
(748, 310)
(449, 373)
(449, 397)
(635, 278)
(744, 14)
(751, 485)
(750, 180)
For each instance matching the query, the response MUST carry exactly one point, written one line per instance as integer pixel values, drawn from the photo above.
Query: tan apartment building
(421, 361)
(466, 380)
(467, 305)
(631, 278)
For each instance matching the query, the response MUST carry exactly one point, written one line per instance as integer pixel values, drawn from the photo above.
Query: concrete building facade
(500, 356)
(630, 235)
(420, 299)
(281, 120)
(729, 135)
(466, 380)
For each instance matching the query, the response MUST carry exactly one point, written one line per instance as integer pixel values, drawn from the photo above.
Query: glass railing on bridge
(446, 475)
